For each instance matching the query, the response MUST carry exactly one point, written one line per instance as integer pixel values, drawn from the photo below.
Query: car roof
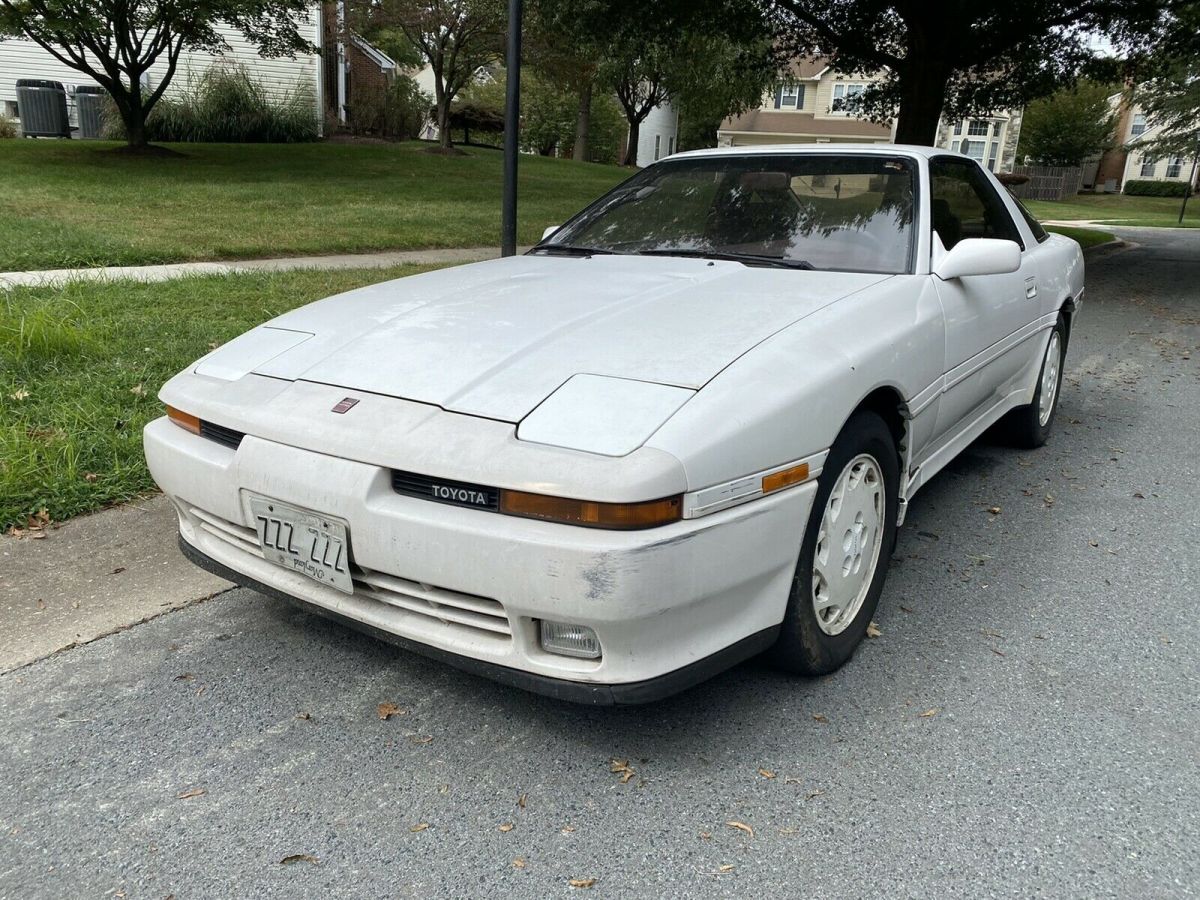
(844, 149)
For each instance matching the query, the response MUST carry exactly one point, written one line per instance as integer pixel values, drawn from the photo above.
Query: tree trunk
(583, 123)
(133, 117)
(635, 132)
(922, 95)
(443, 115)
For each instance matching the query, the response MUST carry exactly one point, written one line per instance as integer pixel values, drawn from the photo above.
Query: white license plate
(304, 541)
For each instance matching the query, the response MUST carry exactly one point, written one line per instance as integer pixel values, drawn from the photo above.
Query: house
(331, 77)
(808, 106)
(1130, 160)
(658, 135)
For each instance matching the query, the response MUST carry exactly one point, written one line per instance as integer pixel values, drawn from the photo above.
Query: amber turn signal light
(785, 478)
(184, 420)
(618, 516)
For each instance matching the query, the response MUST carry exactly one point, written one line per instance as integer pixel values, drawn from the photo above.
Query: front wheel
(846, 550)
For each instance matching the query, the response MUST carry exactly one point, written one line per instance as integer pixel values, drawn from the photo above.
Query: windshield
(851, 212)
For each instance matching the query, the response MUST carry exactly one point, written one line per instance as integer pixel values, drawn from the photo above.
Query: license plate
(304, 541)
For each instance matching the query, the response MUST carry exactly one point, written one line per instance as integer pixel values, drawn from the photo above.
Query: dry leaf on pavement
(741, 826)
(725, 869)
(873, 630)
(929, 713)
(819, 717)
(519, 862)
(766, 773)
(194, 792)
(506, 827)
(299, 857)
(420, 826)
(521, 800)
(581, 882)
(387, 710)
(621, 767)
(994, 510)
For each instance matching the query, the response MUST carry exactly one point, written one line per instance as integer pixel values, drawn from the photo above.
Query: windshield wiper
(572, 250)
(750, 259)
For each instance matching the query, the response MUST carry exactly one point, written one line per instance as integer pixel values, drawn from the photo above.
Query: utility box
(89, 107)
(43, 106)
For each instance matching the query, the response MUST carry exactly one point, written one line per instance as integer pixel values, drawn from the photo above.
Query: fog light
(570, 640)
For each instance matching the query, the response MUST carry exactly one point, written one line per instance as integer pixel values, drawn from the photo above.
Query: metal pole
(512, 127)
(1191, 179)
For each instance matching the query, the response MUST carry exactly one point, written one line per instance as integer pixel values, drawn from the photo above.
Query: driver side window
(965, 205)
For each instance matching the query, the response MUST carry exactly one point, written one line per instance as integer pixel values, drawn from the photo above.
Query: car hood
(495, 339)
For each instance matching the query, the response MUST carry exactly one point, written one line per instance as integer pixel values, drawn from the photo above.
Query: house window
(842, 94)
(979, 128)
(958, 128)
(974, 149)
(993, 154)
(789, 96)
(10, 109)
(1148, 164)
(1138, 125)
(657, 146)
(1174, 167)
(670, 145)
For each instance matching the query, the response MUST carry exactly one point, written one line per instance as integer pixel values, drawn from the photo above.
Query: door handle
(1030, 288)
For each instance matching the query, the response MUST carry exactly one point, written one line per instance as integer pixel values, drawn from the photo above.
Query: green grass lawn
(80, 368)
(1085, 237)
(71, 203)
(1117, 209)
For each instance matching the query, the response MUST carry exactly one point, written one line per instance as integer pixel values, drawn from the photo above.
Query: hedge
(1145, 188)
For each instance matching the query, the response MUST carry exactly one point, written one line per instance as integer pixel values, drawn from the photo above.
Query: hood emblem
(345, 405)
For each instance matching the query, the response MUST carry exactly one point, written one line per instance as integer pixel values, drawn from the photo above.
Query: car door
(986, 315)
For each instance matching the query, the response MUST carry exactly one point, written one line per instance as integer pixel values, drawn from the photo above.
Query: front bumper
(670, 605)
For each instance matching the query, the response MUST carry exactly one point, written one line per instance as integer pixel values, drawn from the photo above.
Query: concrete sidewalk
(94, 575)
(56, 277)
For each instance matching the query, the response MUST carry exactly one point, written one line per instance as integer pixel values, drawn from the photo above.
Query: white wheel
(848, 544)
(1048, 395)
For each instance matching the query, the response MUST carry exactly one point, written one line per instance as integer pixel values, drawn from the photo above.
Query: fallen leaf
(117, 571)
(387, 710)
(138, 390)
(706, 835)
(306, 716)
(873, 630)
(299, 857)
(621, 767)
(1048, 500)
(186, 676)
(905, 609)
(519, 862)
(19, 394)
(766, 773)
(789, 830)
(741, 826)
(581, 882)
(41, 604)
(1093, 543)
(788, 779)
(725, 869)
(819, 717)
(420, 738)
(521, 801)
(1139, 495)
(505, 828)
(929, 713)
(816, 793)
(90, 476)
(420, 826)
(994, 510)
(194, 792)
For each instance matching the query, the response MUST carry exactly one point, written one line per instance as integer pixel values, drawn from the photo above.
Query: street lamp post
(1187, 189)
(512, 127)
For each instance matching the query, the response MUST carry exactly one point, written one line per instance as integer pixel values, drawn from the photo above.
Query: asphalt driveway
(1026, 725)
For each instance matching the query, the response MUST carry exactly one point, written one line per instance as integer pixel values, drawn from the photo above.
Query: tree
(456, 37)
(561, 46)
(1169, 94)
(733, 78)
(959, 59)
(115, 42)
(1069, 125)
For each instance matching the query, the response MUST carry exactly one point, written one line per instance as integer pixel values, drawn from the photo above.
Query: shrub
(226, 105)
(1146, 188)
(397, 113)
(8, 128)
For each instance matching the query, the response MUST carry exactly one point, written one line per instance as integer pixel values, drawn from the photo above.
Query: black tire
(804, 648)
(1023, 426)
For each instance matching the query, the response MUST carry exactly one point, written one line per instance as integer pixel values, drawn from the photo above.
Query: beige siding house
(808, 107)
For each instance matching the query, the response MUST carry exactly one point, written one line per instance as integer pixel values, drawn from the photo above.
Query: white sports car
(679, 432)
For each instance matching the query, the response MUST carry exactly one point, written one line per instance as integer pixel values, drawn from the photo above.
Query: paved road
(1057, 642)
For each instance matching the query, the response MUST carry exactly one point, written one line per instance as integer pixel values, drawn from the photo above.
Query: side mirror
(979, 256)
(550, 229)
